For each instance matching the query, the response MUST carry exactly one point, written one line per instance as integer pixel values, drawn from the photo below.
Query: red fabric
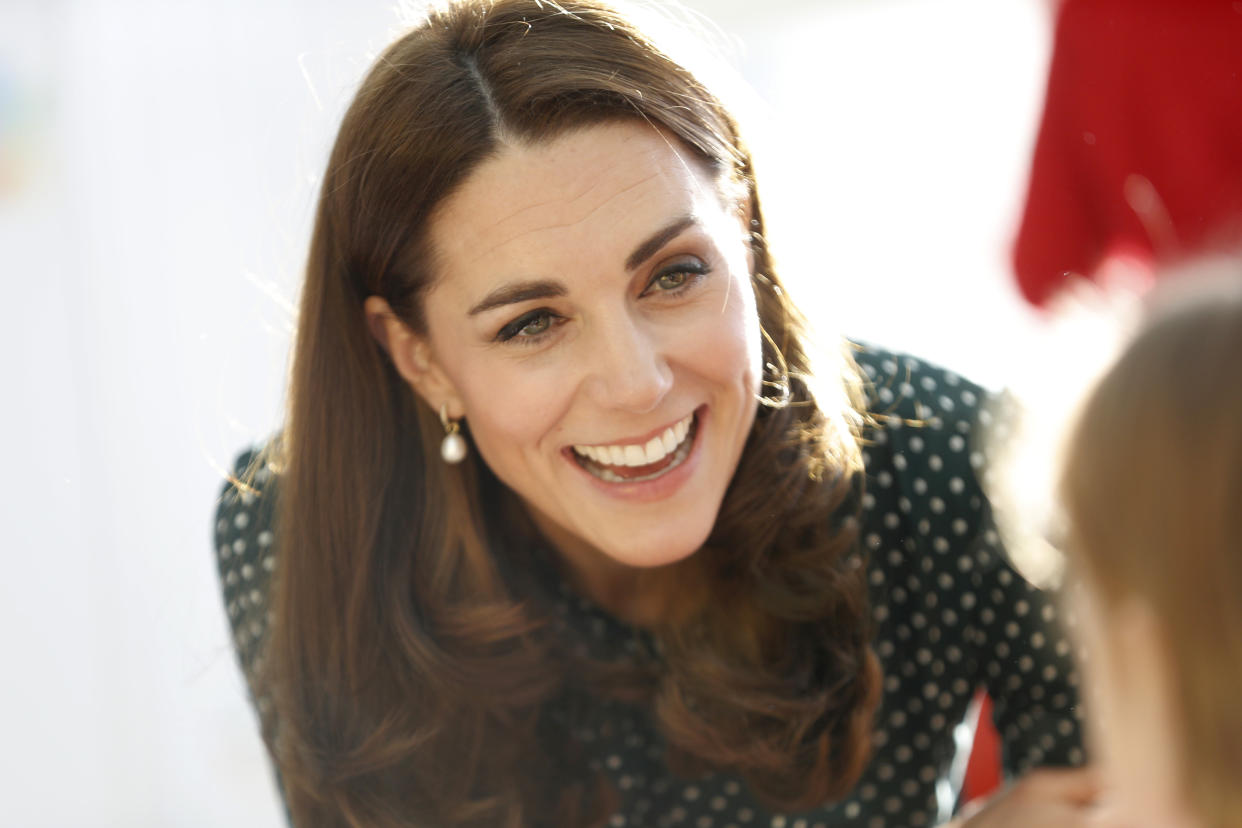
(983, 768)
(1140, 147)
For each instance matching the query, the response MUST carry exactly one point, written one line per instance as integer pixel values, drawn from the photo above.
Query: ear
(412, 356)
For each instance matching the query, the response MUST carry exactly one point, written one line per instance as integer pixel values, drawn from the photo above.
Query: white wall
(158, 163)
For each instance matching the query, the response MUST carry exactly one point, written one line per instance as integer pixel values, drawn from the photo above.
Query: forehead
(591, 191)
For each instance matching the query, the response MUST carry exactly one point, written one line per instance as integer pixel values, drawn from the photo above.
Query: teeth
(656, 449)
(668, 439)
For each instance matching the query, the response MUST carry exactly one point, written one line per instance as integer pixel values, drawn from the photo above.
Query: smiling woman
(642, 594)
(648, 327)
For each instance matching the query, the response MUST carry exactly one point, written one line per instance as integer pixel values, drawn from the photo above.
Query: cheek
(1108, 719)
(734, 344)
(510, 413)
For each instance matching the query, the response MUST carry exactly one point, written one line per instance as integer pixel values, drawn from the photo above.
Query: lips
(634, 462)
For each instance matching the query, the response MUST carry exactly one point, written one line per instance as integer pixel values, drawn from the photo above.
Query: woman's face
(594, 322)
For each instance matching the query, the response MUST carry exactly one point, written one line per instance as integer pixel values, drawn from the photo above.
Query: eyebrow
(657, 240)
(519, 292)
(512, 294)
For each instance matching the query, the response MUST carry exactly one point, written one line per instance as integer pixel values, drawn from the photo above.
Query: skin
(623, 350)
(1133, 728)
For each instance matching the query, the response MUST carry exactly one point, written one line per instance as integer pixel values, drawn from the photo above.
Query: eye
(677, 277)
(671, 281)
(528, 326)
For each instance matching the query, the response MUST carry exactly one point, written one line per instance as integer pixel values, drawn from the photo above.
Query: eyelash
(694, 271)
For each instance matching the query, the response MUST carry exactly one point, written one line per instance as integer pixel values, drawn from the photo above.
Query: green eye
(529, 327)
(536, 326)
(672, 280)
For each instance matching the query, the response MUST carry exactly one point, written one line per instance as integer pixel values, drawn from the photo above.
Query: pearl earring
(453, 447)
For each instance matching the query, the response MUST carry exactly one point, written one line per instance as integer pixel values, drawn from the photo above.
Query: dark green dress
(951, 616)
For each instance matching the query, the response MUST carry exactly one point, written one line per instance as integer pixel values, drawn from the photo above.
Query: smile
(631, 463)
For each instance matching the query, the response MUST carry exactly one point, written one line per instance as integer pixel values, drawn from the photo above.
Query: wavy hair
(412, 654)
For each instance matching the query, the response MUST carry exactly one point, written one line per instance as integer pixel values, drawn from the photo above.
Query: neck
(639, 596)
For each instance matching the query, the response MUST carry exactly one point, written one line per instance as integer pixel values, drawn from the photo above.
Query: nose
(627, 365)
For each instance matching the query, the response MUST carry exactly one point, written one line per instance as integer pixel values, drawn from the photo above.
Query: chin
(654, 553)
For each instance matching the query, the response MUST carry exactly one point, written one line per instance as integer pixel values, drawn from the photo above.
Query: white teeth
(656, 449)
(668, 439)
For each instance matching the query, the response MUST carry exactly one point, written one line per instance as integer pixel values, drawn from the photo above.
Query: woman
(568, 532)
(1154, 543)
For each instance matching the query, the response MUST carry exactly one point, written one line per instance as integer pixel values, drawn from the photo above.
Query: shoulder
(926, 520)
(245, 550)
(923, 434)
(907, 387)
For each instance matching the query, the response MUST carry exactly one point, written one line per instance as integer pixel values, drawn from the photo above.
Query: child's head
(1152, 488)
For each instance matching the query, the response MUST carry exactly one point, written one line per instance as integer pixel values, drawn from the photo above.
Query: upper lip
(641, 440)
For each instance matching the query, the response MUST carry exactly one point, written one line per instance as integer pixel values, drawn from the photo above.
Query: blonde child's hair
(1152, 490)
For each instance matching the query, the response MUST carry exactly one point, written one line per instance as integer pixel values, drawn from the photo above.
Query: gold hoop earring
(453, 446)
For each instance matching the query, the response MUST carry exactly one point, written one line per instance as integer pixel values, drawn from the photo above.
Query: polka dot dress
(951, 616)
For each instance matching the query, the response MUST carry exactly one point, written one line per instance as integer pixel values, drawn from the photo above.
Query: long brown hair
(1153, 491)
(410, 655)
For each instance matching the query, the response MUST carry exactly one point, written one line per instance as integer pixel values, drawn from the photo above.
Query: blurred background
(159, 163)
